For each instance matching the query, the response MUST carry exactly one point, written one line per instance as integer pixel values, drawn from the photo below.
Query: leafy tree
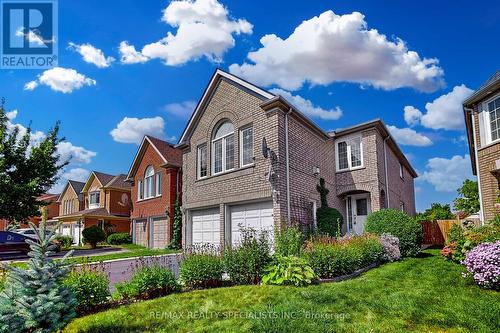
(468, 201)
(329, 219)
(177, 231)
(436, 212)
(27, 169)
(35, 298)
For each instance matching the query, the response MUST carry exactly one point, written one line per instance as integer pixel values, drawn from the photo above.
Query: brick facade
(310, 150)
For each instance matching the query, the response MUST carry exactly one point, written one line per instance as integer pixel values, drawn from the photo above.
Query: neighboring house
(228, 183)
(482, 121)
(52, 208)
(103, 200)
(155, 179)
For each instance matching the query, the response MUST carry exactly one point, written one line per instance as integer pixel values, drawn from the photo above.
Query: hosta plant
(289, 270)
(483, 264)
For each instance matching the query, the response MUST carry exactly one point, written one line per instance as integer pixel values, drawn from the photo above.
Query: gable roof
(76, 185)
(169, 154)
(380, 126)
(102, 178)
(198, 111)
(119, 182)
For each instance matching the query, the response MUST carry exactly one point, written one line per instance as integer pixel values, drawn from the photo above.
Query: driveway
(121, 270)
(19, 257)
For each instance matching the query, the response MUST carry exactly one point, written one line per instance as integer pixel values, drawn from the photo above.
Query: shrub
(456, 234)
(331, 258)
(119, 238)
(391, 247)
(176, 242)
(289, 241)
(400, 225)
(63, 241)
(289, 270)
(245, 263)
(149, 282)
(201, 271)
(329, 221)
(93, 235)
(483, 264)
(90, 288)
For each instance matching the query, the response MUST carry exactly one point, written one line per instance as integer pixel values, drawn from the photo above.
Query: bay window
(349, 154)
(223, 148)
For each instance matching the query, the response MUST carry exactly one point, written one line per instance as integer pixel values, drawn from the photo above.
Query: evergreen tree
(35, 299)
(27, 169)
(177, 231)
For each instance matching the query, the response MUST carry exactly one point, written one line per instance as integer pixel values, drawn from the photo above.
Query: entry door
(358, 208)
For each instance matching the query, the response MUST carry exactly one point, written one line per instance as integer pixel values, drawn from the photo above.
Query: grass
(425, 294)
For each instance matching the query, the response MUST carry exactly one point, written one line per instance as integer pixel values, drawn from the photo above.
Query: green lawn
(132, 250)
(425, 294)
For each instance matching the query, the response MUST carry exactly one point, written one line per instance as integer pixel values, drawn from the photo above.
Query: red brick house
(155, 178)
(103, 200)
(52, 208)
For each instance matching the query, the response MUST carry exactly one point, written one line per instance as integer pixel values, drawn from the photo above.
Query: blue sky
(362, 60)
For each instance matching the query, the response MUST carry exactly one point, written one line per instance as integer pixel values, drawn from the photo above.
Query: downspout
(385, 171)
(287, 161)
(476, 160)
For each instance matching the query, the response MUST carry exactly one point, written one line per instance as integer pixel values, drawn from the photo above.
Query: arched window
(149, 182)
(223, 148)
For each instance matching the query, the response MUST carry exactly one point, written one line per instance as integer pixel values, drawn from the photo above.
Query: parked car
(13, 242)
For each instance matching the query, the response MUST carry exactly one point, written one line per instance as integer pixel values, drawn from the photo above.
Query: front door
(357, 208)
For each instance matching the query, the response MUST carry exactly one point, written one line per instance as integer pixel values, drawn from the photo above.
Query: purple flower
(483, 264)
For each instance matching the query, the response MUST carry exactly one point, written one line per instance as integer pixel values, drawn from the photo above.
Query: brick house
(155, 183)
(228, 182)
(482, 121)
(103, 200)
(52, 208)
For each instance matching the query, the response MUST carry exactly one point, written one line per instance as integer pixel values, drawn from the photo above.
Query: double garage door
(156, 236)
(206, 227)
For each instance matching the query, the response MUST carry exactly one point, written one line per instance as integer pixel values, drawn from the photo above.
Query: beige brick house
(482, 120)
(228, 183)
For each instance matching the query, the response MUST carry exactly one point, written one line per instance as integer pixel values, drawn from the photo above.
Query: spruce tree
(35, 299)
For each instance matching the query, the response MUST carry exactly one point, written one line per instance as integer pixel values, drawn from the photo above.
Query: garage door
(140, 233)
(160, 232)
(206, 226)
(258, 216)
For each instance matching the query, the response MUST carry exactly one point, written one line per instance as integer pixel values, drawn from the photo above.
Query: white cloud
(307, 107)
(181, 110)
(11, 114)
(91, 54)
(445, 112)
(61, 79)
(129, 55)
(78, 174)
(132, 130)
(409, 137)
(204, 29)
(35, 136)
(330, 48)
(74, 154)
(412, 115)
(446, 175)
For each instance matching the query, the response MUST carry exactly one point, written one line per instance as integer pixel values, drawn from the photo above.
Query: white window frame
(487, 121)
(401, 171)
(95, 204)
(140, 193)
(241, 146)
(149, 183)
(349, 157)
(159, 184)
(224, 157)
(198, 160)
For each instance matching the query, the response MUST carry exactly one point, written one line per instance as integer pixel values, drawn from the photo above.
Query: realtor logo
(28, 34)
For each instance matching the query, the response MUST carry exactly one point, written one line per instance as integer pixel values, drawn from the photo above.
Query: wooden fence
(436, 232)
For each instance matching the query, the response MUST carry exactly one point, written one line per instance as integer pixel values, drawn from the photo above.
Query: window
(349, 154)
(202, 161)
(402, 206)
(139, 190)
(223, 148)
(361, 207)
(401, 171)
(149, 183)
(494, 111)
(159, 184)
(94, 199)
(246, 146)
